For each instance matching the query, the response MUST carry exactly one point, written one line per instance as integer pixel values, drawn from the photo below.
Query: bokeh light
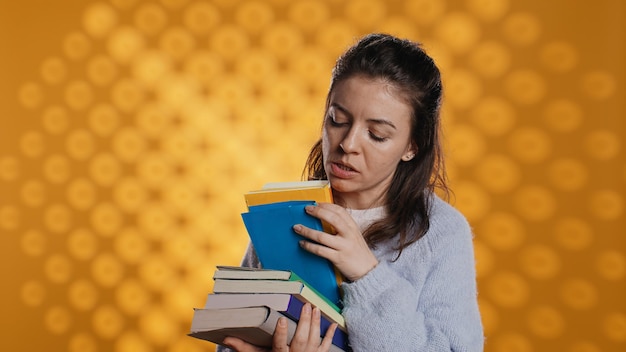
(126, 149)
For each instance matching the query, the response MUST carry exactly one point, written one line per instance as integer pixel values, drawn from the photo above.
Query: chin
(341, 185)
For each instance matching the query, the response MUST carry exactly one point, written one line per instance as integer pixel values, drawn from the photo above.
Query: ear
(410, 152)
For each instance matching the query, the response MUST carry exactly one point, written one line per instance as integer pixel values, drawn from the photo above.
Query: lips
(342, 170)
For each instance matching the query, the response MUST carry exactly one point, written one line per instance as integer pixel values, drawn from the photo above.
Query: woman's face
(366, 135)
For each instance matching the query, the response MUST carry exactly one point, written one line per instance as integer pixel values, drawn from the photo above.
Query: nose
(350, 142)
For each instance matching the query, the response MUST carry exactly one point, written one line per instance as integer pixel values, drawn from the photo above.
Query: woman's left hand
(346, 249)
(305, 339)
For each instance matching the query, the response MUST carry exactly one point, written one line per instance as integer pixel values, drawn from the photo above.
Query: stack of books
(247, 302)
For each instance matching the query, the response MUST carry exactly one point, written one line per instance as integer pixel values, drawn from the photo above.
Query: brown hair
(406, 66)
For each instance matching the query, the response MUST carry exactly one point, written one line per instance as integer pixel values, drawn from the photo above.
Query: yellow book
(318, 191)
(274, 192)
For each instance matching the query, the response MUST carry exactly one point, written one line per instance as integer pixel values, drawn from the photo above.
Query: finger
(316, 236)
(331, 213)
(335, 215)
(301, 336)
(280, 336)
(330, 206)
(328, 337)
(319, 250)
(240, 345)
(314, 330)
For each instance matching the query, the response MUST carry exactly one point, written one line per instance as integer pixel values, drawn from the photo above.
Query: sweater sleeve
(424, 301)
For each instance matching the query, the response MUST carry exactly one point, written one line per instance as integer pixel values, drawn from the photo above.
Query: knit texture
(423, 301)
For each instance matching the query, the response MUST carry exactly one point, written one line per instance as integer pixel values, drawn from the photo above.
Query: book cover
(296, 287)
(270, 227)
(241, 272)
(287, 304)
(275, 192)
(255, 325)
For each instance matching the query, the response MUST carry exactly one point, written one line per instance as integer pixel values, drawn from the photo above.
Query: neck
(357, 201)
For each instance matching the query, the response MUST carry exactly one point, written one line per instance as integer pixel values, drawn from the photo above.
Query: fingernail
(307, 308)
(297, 228)
(308, 208)
(282, 321)
(332, 328)
(316, 312)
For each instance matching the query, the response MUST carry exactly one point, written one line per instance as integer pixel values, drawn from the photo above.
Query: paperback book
(255, 325)
(275, 192)
(287, 304)
(270, 227)
(234, 280)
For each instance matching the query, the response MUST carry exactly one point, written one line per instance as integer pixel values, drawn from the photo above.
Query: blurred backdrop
(129, 130)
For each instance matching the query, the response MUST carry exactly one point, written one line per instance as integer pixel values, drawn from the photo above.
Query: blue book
(289, 305)
(270, 227)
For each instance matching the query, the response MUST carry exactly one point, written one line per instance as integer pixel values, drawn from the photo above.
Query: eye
(376, 137)
(334, 121)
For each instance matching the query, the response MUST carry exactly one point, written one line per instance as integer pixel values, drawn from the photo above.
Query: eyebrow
(379, 121)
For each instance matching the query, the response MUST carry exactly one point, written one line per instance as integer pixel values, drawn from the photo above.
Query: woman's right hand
(306, 337)
(346, 249)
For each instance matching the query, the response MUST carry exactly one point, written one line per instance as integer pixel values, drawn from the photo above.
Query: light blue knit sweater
(424, 301)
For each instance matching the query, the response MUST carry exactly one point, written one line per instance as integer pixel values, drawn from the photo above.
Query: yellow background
(129, 130)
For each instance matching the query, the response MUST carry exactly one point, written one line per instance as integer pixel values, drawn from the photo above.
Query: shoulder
(446, 223)
(442, 214)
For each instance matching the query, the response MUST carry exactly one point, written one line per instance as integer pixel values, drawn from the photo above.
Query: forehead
(370, 96)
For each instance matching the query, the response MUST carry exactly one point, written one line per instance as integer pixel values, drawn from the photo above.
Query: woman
(406, 255)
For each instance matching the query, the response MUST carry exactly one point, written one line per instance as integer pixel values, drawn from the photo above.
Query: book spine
(310, 296)
(295, 277)
(294, 308)
(303, 292)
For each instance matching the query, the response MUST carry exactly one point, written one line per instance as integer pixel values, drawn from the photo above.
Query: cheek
(327, 141)
(387, 158)
(387, 162)
(325, 145)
